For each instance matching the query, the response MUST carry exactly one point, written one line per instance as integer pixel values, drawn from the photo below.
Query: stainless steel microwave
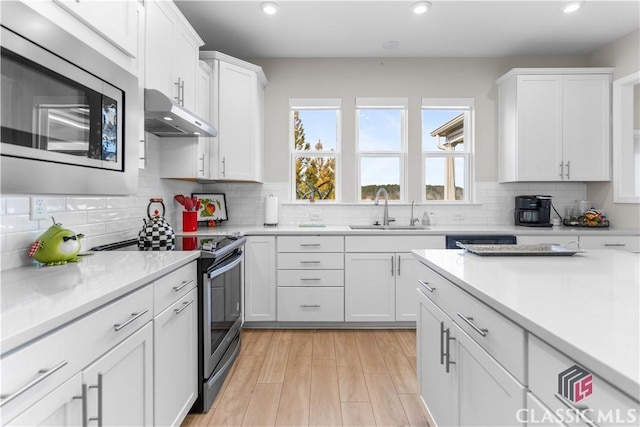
(60, 119)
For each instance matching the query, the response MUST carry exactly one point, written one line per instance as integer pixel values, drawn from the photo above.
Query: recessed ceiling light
(420, 7)
(572, 6)
(196, 133)
(390, 44)
(168, 118)
(269, 7)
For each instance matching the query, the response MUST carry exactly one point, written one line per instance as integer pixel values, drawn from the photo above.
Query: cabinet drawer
(624, 243)
(392, 243)
(311, 244)
(174, 285)
(546, 365)
(304, 261)
(311, 278)
(310, 304)
(65, 352)
(502, 339)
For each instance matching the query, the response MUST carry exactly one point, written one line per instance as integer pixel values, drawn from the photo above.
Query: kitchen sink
(388, 227)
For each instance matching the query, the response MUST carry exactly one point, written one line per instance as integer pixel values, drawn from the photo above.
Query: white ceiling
(451, 28)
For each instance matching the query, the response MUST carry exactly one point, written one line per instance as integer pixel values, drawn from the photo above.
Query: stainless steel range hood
(165, 117)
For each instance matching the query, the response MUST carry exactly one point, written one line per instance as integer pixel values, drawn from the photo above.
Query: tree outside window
(314, 153)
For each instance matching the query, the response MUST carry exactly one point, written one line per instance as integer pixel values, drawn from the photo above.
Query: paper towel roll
(271, 210)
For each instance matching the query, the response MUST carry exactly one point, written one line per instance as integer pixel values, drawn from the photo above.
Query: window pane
(444, 178)
(380, 129)
(442, 130)
(315, 178)
(376, 172)
(315, 130)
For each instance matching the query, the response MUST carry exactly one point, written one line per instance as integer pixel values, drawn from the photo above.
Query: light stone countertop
(586, 305)
(283, 230)
(36, 300)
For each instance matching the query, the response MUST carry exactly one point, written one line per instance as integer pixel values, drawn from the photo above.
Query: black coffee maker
(533, 211)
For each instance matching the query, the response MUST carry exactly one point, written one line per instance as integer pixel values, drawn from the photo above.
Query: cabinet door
(408, 272)
(185, 65)
(121, 382)
(539, 128)
(436, 385)
(370, 287)
(61, 407)
(175, 370)
(237, 122)
(549, 239)
(623, 243)
(260, 278)
(159, 49)
(487, 394)
(116, 21)
(586, 128)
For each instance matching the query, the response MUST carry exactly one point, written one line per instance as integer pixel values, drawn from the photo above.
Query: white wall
(624, 55)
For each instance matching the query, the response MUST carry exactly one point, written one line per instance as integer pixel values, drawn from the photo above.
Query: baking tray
(518, 250)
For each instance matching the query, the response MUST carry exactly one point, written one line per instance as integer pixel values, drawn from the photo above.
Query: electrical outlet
(38, 208)
(458, 216)
(315, 217)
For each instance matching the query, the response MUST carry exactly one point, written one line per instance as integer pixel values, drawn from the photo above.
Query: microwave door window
(63, 128)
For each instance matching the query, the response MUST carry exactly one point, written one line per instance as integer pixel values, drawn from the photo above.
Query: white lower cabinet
(370, 293)
(113, 366)
(260, 279)
(462, 384)
(62, 407)
(175, 369)
(571, 241)
(120, 383)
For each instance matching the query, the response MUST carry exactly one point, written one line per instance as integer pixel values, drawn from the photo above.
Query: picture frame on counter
(213, 206)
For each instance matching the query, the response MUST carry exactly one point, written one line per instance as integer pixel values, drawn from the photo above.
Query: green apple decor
(56, 246)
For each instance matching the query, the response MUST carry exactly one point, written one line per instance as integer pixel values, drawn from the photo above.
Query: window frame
(468, 105)
(386, 103)
(315, 104)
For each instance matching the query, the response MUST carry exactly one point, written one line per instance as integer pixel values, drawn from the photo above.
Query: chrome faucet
(413, 220)
(385, 218)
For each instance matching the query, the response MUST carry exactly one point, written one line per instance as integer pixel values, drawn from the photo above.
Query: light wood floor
(320, 378)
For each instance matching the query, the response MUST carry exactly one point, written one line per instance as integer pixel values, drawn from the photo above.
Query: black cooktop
(206, 244)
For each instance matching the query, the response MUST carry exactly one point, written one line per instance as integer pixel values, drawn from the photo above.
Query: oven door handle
(215, 272)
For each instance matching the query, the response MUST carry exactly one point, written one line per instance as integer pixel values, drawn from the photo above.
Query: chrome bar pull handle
(134, 317)
(426, 285)
(568, 169)
(309, 279)
(309, 262)
(99, 387)
(310, 306)
(202, 160)
(307, 245)
(448, 340)
(442, 353)
(393, 265)
(85, 422)
(469, 321)
(182, 285)
(399, 261)
(184, 305)
(224, 166)
(44, 374)
(561, 169)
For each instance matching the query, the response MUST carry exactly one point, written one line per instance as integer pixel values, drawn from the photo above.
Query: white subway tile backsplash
(86, 203)
(17, 206)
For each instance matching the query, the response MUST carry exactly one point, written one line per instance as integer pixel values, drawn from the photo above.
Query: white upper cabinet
(554, 125)
(171, 53)
(237, 112)
(116, 21)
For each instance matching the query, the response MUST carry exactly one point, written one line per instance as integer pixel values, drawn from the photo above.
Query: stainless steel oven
(221, 321)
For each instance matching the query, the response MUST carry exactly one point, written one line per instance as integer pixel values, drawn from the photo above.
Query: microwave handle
(219, 271)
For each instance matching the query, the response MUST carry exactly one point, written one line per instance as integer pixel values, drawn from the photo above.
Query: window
(315, 148)
(447, 146)
(381, 146)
